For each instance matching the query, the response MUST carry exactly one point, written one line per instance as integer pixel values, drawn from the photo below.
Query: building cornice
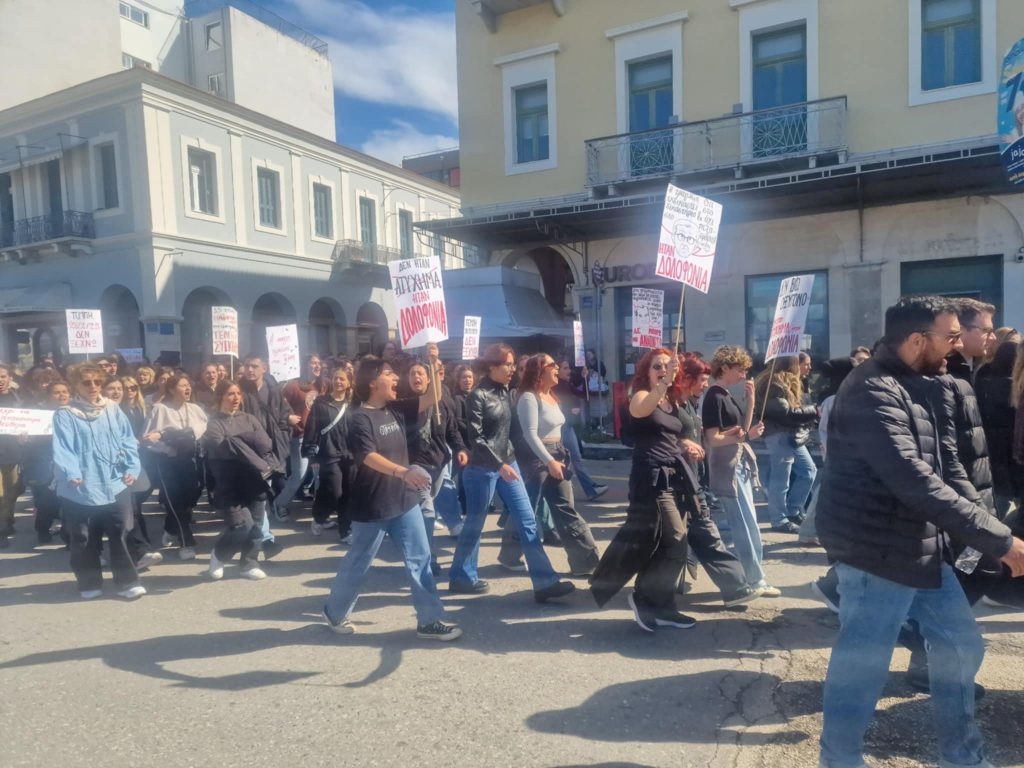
(680, 17)
(544, 50)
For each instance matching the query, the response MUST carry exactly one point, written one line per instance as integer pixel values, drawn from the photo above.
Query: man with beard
(888, 517)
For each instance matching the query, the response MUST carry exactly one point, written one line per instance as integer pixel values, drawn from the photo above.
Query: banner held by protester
(25, 421)
(419, 294)
(648, 314)
(225, 331)
(689, 238)
(470, 337)
(577, 341)
(283, 352)
(85, 331)
(788, 324)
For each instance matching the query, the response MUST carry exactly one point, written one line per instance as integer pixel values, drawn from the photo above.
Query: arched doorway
(269, 309)
(327, 332)
(122, 328)
(196, 325)
(556, 277)
(371, 328)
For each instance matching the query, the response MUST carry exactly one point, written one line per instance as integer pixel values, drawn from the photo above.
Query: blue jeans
(871, 612)
(571, 441)
(298, 464)
(481, 485)
(446, 500)
(744, 534)
(408, 533)
(792, 475)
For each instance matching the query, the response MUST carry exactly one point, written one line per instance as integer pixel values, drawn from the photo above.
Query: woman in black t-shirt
(384, 502)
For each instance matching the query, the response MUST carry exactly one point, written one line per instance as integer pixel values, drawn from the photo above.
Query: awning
(53, 297)
(508, 300)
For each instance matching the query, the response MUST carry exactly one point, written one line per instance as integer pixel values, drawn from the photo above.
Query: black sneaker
(673, 618)
(478, 587)
(5, 542)
(786, 527)
(438, 630)
(642, 615)
(271, 549)
(556, 590)
(599, 491)
(917, 678)
(824, 590)
(742, 597)
(517, 566)
(44, 537)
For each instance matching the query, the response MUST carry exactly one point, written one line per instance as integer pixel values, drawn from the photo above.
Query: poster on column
(419, 294)
(85, 331)
(577, 341)
(470, 337)
(225, 331)
(1010, 115)
(689, 238)
(790, 317)
(648, 307)
(25, 421)
(283, 352)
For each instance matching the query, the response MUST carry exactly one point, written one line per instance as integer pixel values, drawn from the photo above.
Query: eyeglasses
(659, 366)
(951, 338)
(91, 383)
(550, 365)
(990, 331)
(130, 388)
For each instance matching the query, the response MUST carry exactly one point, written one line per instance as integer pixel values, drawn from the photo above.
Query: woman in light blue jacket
(96, 460)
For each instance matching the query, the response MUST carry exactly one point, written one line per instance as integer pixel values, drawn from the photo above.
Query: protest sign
(283, 352)
(1010, 113)
(25, 421)
(689, 238)
(790, 317)
(648, 308)
(132, 355)
(85, 331)
(470, 337)
(225, 331)
(419, 294)
(577, 340)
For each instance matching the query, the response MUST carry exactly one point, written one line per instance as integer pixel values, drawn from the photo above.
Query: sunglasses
(132, 389)
(659, 366)
(91, 383)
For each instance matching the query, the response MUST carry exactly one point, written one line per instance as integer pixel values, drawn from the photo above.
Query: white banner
(689, 238)
(131, 354)
(419, 294)
(283, 352)
(85, 331)
(577, 340)
(470, 337)
(25, 421)
(790, 317)
(225, 331)
(648, 309)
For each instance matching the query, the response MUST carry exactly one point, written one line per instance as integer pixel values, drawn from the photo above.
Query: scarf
(85, 410)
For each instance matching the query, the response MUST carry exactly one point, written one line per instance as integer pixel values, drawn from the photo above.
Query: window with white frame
(214, 36)
(368, 221)
(952, 49)
(202, 167)
(532, 140)
(530, 109)
(130, 12)
(107, 167)
(323, 211)
(128, 61)
(268, 193)
(405, 233)
(216, 84)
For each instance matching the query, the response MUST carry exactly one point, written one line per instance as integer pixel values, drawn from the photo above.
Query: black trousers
(723, 567)
(47, 504)
(243, 535)
(87, 526)
(657, 581)
(138, 537)
(332, 496)
(179, 480)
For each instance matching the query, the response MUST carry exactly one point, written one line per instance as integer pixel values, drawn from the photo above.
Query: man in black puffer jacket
(888, 517)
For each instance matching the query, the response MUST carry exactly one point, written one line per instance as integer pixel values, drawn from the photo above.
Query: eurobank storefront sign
(1011, 113)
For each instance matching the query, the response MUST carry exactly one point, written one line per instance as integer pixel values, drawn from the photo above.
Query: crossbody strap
(333, 424)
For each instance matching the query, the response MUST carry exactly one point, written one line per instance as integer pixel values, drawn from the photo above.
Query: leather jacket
(780, 416)
(489, 425)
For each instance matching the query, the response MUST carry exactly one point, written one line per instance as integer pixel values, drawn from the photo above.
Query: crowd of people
(917, 503)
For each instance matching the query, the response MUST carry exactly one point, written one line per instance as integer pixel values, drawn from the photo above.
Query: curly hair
(729, 356)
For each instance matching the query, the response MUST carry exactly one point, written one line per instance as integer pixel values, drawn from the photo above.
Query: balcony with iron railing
(39, 230)
(740, 144)
(196, 8)
(356, 252)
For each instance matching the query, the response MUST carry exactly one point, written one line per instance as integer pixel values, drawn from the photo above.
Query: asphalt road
(240, 673)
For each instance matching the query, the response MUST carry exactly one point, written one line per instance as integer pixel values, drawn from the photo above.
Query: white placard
(790, 316)
(225, 331)
(85, 331)
(283, 352)
(470, 337)
(648, 309)
(419, 294)
(689, 238)
(577, 340)
(131, 354)
(25, 421)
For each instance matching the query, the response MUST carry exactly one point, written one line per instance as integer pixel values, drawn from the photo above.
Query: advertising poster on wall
(1010, 117)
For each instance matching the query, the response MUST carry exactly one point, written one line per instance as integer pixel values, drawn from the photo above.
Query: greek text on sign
(790, 317)
(85, 331)
(648, 307)
(1010, 115)
(577, 340)
(283, 351)
(470, 337)
(225, 331)
(25, 421)
(689, 238)
(419, 294)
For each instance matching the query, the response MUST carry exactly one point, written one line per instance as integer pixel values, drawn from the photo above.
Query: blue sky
(394, 70)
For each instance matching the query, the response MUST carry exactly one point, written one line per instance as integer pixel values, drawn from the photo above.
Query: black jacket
(780, 416)
(10, 448)
(459, 403)
(971, 443)
(997, 418)
(273, 416)
(489, 423)
(240, 455)
(885, 506)
(332, 445)
(429, 443)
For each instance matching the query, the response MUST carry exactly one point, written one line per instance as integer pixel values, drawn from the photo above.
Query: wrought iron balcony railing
(358, 252)
(52, 226)
(809, 129)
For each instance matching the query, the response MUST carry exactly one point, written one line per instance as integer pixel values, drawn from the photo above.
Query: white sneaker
(90, 594)
(166, 540)
(254, 573)
(104, 560)
(216, 568)
(330, 525)
(149, 559)
(347, 539)
(132, 592)
(317, 528)
(767, 590)
(186, 553)
(343, 627)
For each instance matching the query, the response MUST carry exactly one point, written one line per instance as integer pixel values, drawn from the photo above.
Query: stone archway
(197, 325)
(556, 275)
(371, 328)
(269, 309)
(122, 327)
(328, 334)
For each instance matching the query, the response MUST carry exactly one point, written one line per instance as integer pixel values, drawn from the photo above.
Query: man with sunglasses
(893, 501)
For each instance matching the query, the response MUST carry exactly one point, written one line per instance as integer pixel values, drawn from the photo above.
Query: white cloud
(402, 140)
(397, 55)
